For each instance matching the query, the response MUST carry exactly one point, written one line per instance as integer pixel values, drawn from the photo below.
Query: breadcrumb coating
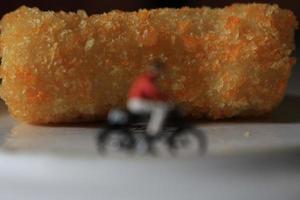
(66, 67)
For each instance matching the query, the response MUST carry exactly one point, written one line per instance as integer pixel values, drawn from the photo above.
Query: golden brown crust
(221, 63)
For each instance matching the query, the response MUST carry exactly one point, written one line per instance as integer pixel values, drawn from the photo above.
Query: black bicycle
(126, 132)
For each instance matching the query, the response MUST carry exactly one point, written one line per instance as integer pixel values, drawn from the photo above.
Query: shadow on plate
(269, 163)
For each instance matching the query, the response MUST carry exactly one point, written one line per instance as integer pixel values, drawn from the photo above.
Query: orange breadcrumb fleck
(281, 87)
(191, 43)
(232, 22)
(35, 97)
(183, 26)
(235, 51)
(26, 76)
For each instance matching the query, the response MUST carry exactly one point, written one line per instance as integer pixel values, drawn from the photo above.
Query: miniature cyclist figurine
(145, 97)
(167, 131)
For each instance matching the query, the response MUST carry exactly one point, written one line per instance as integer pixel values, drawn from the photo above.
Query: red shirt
(144, 88)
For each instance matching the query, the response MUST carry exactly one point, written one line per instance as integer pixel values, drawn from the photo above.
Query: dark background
(99, 6)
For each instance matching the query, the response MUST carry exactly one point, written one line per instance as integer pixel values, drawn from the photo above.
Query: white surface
(246, 160)
(48, 177)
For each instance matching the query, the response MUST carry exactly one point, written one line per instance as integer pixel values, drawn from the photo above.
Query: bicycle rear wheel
(188, 142)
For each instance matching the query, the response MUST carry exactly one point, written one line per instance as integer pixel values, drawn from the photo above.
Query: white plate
(245, 160)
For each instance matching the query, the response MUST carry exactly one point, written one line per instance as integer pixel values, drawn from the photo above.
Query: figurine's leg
(157, 118)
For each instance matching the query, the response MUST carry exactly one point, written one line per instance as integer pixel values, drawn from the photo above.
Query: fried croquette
(66, 67)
